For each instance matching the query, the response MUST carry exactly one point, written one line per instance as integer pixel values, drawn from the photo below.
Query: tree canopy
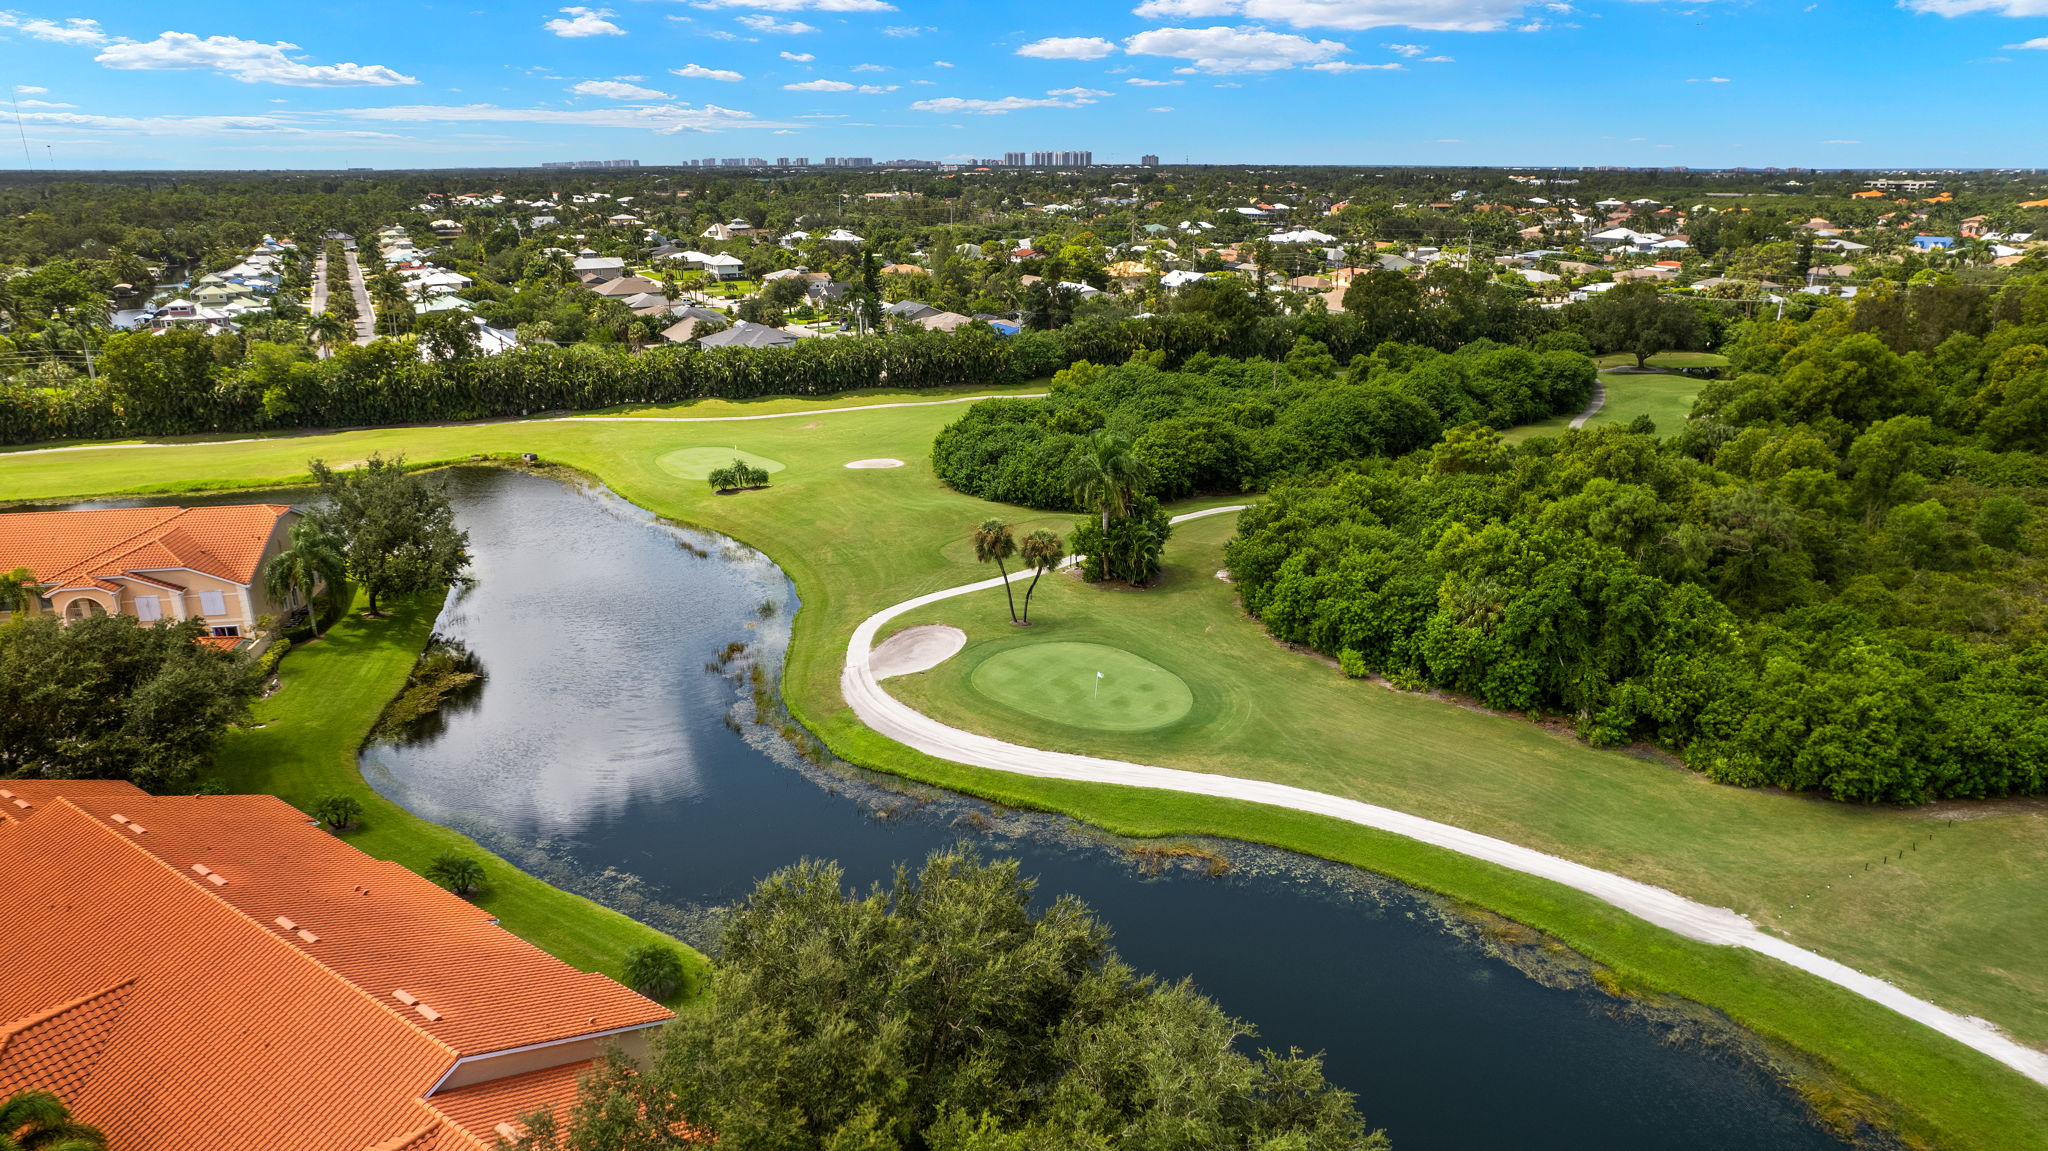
(397, 528)
(946, 1011)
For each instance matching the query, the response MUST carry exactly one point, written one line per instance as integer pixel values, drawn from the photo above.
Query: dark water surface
(599, 754)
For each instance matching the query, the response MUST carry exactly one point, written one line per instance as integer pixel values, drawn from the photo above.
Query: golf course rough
(698, 463)
(1087, 685)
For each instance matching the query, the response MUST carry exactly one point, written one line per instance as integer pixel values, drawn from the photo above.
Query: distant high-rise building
(710, 162)
(1062, 159)
(1148, 160)
(591, 164)
(1013, 159)
(756, 162)
(801, 162)
(782, 161)
(1041, 159)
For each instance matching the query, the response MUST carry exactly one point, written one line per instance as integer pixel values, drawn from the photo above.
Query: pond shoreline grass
(1955, 930)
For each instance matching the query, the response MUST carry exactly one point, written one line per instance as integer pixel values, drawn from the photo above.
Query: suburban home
(153, 563)
(718, 264)
(747, 334)
(602, 267)
(218, 971)
(626, 286)
(943, 322)
(909, 310)
(689, 320)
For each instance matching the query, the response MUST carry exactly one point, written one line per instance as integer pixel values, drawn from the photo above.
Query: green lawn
(1666, 360)
(301, 746)
(1080, 685)
(1959, 924)
(1666, 399)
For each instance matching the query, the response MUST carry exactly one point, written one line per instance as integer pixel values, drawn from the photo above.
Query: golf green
(1084, 685)
(699, 463)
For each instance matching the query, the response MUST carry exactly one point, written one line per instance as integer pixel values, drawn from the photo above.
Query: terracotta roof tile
(69, 548)
(247, 982)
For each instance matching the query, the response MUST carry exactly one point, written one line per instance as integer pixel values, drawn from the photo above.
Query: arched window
(82, 607)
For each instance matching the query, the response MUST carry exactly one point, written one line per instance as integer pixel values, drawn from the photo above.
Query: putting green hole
(699, 463)
(1059, 682)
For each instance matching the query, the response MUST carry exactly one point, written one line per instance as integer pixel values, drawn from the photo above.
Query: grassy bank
(1957, 925)
(1664, 397)
(301, 747)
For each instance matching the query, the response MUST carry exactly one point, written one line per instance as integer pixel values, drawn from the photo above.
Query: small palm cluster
(39, 1121)
(458, 873)
(655, 971)
(1041, 550)
(739, 474)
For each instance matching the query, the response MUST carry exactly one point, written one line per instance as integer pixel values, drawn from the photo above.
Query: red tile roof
(260, 981)
(75, 548)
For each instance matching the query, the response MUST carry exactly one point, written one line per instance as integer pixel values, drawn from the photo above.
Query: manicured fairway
(1666, 360)
(1959, 921)
(698, 463)
(1666, 399)
(1084, 685)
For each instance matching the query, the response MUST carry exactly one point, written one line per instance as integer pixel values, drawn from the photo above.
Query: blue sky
(1705, 83)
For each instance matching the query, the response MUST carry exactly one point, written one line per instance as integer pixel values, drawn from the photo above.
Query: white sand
(880, 463)
(916, 649)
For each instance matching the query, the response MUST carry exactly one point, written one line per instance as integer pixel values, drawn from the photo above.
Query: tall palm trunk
(1007, 593)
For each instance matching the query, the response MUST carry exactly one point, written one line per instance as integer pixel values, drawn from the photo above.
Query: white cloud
(800, 5)
(870, 67)
(42, 104)
(1345, 66)
(1450, 140)
(1710, 80)
(700, 72)
(76, 30)
(1439, 59)
(1068, 48)
(249, 61)
(2038, 43)
(905, 31)
(1409, 50)
(1165, 109)
(662, 119)
(1356, 15)
(1141, 82)
(1965, 7)
(1058, 98)
(252, 128)
(941, 64)
(799, 57)
(771, 26)
(840, 86)
(617, 90)
(1224, 50)
(28, 90)
(584, 22)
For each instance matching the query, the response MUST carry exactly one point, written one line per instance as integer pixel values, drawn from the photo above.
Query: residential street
(366, 316)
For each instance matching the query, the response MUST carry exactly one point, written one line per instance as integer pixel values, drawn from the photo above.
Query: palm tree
(327, 330)
(1106, 474)
(18, 590)
(458, 873)
(338, 811)
(1042, 551)
(993, 541)
(313, 559)
(39, 1121)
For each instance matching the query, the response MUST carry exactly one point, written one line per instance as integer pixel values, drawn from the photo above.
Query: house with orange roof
(153, 563)
(216, 971)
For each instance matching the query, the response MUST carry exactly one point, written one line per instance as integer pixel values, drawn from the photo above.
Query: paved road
(366, 316)
(1716, 925)
(319, 283)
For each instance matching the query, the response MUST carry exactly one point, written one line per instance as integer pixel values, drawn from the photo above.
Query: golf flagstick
(1098, 685)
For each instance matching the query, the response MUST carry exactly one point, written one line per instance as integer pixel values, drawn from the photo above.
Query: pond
(604, 755)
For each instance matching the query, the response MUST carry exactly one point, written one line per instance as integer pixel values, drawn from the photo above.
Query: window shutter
(148, 608)
(212, 603)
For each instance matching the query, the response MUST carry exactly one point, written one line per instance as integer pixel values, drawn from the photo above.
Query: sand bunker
(881, 463)
(916, 649)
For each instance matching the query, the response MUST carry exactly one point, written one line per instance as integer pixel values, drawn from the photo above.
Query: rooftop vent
(202, 869)
(405, 997)
(22, 803)
(216, 878)
(507, 1132)
(431, 1014)
(119, 818)
(287, 924)
(308, 936)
